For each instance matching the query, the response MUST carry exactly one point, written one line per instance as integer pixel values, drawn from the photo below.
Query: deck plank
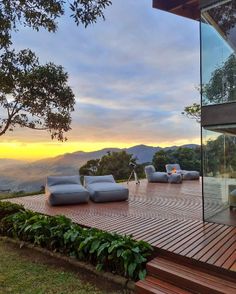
(167, 216)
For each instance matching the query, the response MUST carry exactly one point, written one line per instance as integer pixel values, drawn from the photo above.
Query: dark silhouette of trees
(115, 163)
(39, 14)
(34, 96)
(193, 112)
(187, 158)
(222, 85)
(90, 168)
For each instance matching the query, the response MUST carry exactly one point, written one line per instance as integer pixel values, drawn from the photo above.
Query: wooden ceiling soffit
(185, 8)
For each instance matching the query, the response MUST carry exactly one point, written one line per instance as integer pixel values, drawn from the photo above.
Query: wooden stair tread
(191, 271)
(156, 286)
(177, 273)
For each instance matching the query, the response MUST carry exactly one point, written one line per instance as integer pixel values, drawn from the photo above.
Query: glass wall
(219, 168)
(218, 55)
(218, 42)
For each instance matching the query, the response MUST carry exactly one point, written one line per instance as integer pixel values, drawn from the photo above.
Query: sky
(131, 74)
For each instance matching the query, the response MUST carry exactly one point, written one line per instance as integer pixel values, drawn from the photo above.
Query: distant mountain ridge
(31, 176)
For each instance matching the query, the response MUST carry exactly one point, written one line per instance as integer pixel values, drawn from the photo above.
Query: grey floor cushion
(175, 178)
(62, 190)
(190, 175)
(105, 189)
(153, 176)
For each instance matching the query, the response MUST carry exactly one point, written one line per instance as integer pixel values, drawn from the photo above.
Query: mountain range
(18, 175)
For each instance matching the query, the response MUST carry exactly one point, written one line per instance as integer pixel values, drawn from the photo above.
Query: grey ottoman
(232, 199)
(105, 189)
(175, 178)
(62, 190)
(190, 175)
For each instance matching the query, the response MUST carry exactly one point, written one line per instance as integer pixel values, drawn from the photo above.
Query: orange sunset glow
(31, 151)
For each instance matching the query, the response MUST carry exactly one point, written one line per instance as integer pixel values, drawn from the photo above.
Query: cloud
(132, 74)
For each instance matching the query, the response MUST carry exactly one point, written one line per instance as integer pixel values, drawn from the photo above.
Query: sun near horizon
(31, 151)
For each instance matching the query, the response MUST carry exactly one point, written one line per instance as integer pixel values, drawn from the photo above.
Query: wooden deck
(168, 216)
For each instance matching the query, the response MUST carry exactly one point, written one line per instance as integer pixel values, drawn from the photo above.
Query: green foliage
(110, 252)
(115, 163)
(40, 91)
(8, 208)
(193, 111)
(220, 155)
(187, 158)
(44, 14)
(221, 87)
(160, 159)
(90, 168)
(32, 95)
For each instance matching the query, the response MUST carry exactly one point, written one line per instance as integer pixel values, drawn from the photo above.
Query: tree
(90, 168)
(193, 111)
(44, 13)
(187, 158)
(160, 159)
(34, 96)
(221, 87)
(117, 164)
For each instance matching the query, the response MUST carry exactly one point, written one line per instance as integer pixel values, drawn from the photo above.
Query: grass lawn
(28, 272)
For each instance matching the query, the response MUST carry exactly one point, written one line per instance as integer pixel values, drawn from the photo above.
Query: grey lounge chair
(105, 189)
(153, 176)
(186, 174)
(62, 190)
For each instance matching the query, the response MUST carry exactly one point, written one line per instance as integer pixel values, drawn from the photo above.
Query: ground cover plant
(107, 251)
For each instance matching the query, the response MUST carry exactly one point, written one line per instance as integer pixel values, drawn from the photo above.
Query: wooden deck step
(188, 277)
(153, 285)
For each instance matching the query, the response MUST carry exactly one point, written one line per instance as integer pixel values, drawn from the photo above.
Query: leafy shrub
(110, 252)
(8, 208)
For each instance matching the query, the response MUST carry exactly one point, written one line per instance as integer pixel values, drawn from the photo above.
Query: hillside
(31, 176)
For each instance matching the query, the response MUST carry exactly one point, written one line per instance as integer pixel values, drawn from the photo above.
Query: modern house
(218, 100)
(193, 252)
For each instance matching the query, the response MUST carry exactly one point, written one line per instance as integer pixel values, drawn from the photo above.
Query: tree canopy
(193, 111)
(39, 14)
(33, 95)
(115, 163)
(187, 158)
(222, 85)
(220, 88)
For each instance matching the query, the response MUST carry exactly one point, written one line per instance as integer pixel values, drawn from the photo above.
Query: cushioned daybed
(105, 189)
(61, 190)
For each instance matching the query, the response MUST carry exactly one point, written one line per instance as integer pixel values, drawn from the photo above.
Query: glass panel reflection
(219, 169)
(218, 41)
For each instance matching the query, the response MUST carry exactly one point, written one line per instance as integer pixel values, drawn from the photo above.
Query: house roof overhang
(186, 8)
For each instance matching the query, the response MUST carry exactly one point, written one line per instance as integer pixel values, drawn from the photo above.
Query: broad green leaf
(142, 274)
